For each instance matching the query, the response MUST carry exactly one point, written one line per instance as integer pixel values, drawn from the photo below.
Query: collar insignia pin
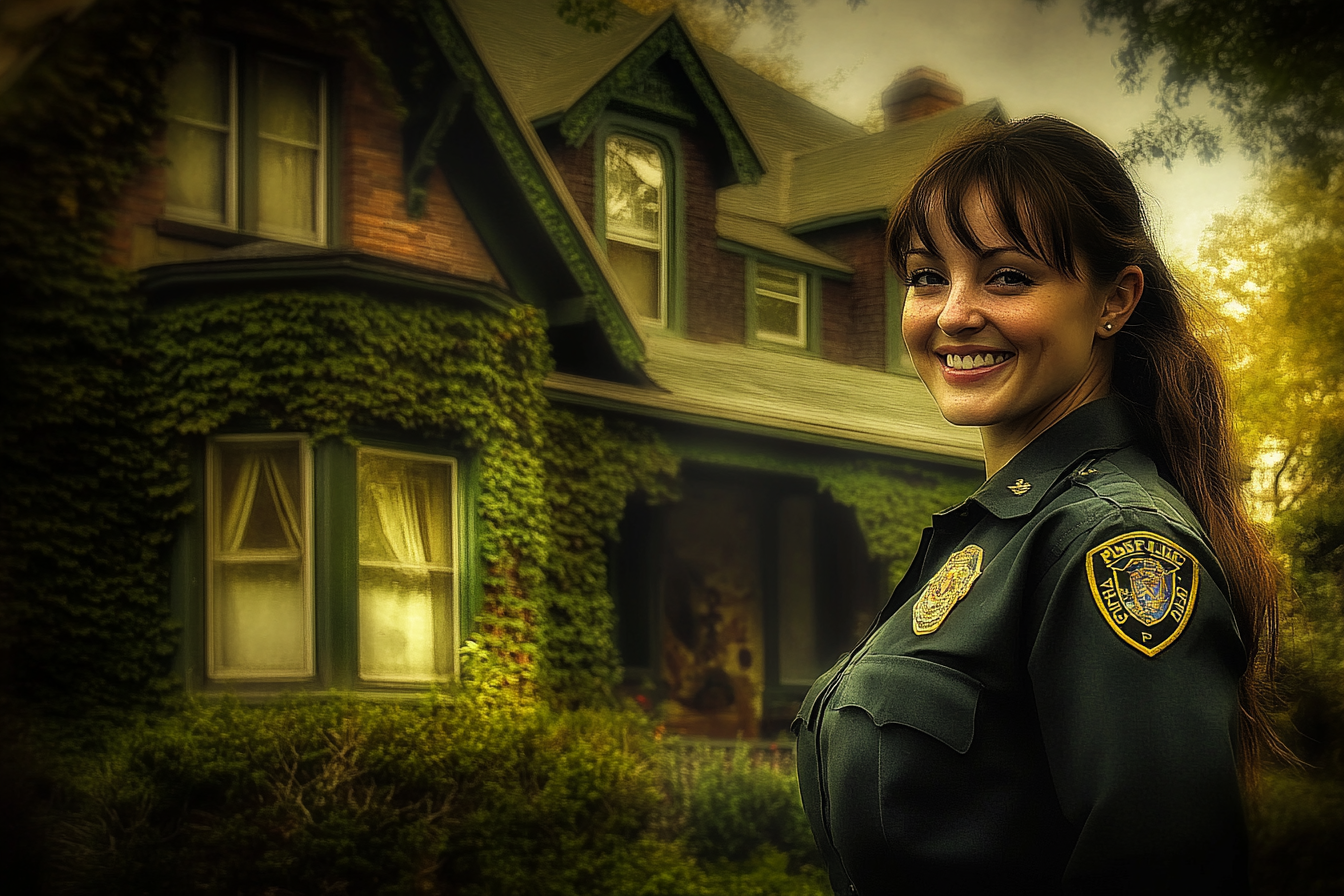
(1020, 487)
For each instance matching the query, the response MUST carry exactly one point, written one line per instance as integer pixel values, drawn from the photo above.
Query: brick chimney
(918, 93)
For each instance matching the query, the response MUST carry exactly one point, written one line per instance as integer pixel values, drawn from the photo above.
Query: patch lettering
(948, 586)
(1145, 586)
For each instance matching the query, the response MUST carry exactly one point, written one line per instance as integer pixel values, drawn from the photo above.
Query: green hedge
(463, 794)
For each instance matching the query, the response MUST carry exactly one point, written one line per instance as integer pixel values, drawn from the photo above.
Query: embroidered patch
(1145, 586)
(948, 586)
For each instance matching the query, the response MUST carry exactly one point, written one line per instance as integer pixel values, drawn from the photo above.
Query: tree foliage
(1275, 267)
(1275, 68)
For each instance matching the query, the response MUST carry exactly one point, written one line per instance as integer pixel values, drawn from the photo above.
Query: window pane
(199, 92)
(640, 274)
(634, 175)
(259, 620)
(405, 627)
(797, 597)
(781, 300)
(777, 316)
(778, 280)
(407, 609)
(197, 174)
(198, 86)
(287, 189)
(260, 610)
(288, 101)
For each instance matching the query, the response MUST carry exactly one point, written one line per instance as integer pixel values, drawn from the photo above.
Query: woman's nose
(960, 312)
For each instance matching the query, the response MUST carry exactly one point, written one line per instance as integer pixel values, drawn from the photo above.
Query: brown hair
(1063, 197)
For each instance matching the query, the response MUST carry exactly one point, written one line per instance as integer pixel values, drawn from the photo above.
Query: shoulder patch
(1145, 585)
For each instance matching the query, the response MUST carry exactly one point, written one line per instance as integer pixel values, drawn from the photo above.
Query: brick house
(706, 250)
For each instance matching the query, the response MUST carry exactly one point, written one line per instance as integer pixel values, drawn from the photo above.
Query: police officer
(1061, 695)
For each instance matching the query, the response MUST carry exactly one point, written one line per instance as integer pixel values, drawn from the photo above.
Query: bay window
(343, 571)
(247, 141)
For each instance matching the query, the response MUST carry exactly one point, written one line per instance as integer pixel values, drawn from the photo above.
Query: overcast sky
(1033, 61)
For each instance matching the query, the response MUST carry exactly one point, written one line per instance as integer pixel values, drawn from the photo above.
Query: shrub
(462, 794)
(734, 804)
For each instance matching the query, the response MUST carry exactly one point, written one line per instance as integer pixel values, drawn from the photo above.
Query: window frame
(667, 141)
(333, 565)
(212, 489)
(242, 174)
(455, 536)
(809, 341)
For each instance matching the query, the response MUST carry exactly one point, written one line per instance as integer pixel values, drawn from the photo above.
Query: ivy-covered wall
(103, 394)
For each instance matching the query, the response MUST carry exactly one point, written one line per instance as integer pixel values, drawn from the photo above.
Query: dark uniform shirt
(1048, 702)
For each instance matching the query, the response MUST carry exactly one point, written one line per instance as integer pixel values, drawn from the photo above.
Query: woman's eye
(1010, 277)
(925, 277)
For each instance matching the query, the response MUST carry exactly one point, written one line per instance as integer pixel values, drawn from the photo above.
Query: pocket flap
(906, 690)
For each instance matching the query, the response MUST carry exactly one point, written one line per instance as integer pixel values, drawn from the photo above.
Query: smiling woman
(1073, 661)
(1003, 340)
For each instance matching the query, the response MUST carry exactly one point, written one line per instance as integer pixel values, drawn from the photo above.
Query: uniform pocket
(916, 693)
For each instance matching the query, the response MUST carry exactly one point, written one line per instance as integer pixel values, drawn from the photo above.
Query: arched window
(636, 222)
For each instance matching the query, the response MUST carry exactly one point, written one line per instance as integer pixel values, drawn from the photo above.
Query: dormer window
(636, 222)
(247, 142)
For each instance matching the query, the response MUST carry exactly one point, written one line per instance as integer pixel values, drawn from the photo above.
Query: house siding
(854, 316)
(575, 164)
(716, 304)
(373, 194)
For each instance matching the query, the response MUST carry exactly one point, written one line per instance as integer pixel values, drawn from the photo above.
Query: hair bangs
(1023, 194)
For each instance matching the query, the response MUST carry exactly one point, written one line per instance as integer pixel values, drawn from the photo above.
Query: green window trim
(243, 196)
(667, 141)
(333, 567)
(757, 287)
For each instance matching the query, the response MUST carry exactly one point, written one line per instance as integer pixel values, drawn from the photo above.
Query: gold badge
(947, 587)
(1019, 487)
(1145, 586)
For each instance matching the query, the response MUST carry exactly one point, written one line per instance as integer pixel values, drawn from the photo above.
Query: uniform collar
(1096, 428)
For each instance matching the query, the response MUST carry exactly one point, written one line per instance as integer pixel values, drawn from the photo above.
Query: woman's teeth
(972, 362)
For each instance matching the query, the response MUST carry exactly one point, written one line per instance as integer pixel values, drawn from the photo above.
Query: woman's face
(1000, 339)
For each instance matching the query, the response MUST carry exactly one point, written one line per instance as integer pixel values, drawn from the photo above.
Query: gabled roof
(847, 178)
(868, 174)
(545, 63)
(539, 187)
(562, 73)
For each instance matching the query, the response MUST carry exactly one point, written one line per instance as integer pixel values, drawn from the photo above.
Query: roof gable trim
(626, 76)
(528, 162)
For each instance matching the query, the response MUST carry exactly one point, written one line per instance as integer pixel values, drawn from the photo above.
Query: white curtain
(259, 468)
(405, 623)
(260, 615)
(400, 508)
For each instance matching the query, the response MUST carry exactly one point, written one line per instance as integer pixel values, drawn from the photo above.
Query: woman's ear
(1122, 298)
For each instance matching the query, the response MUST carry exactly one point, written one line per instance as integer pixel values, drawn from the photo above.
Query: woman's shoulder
(1122, 499)
(1128, 482)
